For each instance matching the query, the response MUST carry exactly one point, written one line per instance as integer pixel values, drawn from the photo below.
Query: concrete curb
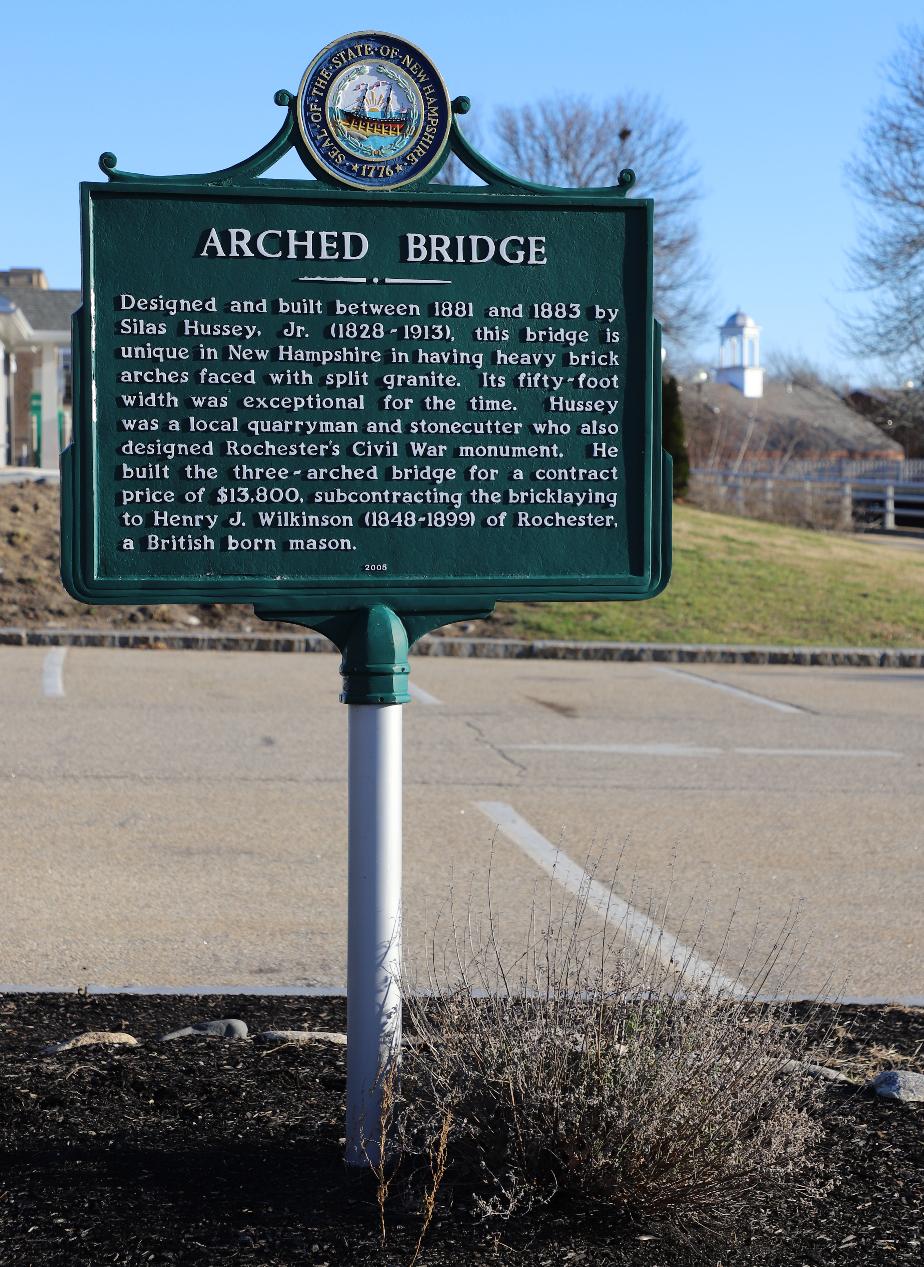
(93, 990)
(479, 648)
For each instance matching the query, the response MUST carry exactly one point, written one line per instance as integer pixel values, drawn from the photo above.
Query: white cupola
(739, 355)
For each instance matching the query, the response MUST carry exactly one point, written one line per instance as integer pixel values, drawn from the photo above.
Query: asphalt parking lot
(179, 818)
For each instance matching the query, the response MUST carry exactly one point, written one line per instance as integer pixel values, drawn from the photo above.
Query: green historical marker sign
(316, 396)
(368, 404)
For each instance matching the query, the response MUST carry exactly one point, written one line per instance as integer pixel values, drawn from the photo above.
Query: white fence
(816, 499)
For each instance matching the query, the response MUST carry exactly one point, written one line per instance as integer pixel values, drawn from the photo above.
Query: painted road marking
(600, 899)
(420, 695)
(691, 750)
(734, 690)
(627, 749)
(818, 752)
(53, 673)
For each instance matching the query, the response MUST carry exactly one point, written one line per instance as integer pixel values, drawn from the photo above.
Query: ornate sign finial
(373, 112)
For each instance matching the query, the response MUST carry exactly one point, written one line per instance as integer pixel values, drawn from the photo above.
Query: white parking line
(733, 690)
(627, 749)
(691, 750)
(420, 695)
(818, 752)
(600, 899)
(53, 673)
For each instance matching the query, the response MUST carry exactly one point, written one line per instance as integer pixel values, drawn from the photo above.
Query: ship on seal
(376, 117)
(375, 113)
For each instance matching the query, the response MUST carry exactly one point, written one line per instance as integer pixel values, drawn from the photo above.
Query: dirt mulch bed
(205, 1150)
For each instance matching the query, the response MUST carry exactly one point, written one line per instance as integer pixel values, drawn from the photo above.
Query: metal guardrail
(849, 499)
(908, 470)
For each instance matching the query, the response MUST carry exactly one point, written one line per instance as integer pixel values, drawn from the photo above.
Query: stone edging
(478, 648)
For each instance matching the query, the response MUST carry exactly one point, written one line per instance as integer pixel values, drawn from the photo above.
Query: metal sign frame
(80, 527)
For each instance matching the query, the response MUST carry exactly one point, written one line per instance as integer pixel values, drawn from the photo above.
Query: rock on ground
(91, 1038)
(899, 1084)
(301, 1036)
(816, 1071)
(225, 1028)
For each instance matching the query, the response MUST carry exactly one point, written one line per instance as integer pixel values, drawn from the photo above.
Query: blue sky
(774, 97)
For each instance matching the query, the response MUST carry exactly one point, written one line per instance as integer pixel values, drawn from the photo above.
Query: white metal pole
(374, 914)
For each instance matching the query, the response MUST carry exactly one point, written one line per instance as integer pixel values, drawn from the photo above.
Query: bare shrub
(597, 1072)
(795, 502)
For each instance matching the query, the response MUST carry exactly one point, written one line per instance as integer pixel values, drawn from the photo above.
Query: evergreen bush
(675, 440)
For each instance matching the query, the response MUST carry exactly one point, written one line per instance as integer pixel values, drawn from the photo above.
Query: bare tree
(897, 412)
(574, 143)
(785, 365)
(888, 261)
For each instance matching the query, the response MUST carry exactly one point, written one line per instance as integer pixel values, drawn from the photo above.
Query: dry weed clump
(596, 1073)
(794, 502)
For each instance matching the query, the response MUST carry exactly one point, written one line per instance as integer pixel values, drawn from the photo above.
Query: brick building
(35, 368)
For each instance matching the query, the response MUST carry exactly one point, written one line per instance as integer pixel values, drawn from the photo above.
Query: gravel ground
(207, 1150)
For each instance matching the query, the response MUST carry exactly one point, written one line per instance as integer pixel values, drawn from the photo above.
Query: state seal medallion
(373, 112)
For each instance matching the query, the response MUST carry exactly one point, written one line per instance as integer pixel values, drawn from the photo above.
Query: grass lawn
(743, 581)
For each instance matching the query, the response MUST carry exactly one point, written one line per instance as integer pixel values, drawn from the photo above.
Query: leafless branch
(572, 142)
(888, 262)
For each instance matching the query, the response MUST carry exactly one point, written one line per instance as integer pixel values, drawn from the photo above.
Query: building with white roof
(739, 355)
